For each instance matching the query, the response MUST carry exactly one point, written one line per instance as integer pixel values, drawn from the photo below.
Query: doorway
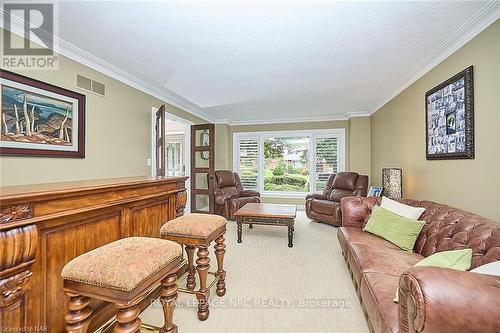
(177, 148)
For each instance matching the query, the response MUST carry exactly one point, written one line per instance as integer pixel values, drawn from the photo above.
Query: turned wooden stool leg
(79, 311)
(203, 264)
(168, 296)
(191, 281)
(127, 319)
(221, 273)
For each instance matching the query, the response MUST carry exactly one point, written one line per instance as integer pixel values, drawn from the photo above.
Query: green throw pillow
(455, 259)
(395, 228)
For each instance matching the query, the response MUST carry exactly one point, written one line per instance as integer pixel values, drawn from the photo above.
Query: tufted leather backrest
(449, 228)
(446, 228)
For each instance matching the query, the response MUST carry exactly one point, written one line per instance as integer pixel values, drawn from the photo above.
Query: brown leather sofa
(229, 194)
(432, 299)
(324, 206)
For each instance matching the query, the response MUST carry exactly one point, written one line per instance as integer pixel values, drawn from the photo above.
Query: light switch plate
(149, 162)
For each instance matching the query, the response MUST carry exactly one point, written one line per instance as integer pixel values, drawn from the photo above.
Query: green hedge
(285, 188)
(286, 180)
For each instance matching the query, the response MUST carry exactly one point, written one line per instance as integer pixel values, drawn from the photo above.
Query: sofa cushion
(323, 206)
(231, 191)
(347, 235)
(366, 258)
(395, 228)
(377, 292)
(492, 268)
(337, 194)
(402, 209)
(242, 201)
(457, 259)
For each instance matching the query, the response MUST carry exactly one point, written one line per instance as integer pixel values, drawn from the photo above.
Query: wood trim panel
(61, 224)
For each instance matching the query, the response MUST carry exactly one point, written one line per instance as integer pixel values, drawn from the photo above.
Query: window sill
(284, 194)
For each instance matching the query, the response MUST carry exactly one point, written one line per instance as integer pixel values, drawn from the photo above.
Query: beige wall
(359, 153)
(222, 147)
(118, 133)
(398, 134)
(357, 136)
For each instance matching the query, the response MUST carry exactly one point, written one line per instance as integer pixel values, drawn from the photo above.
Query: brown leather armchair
(324, 206)
(229, 194)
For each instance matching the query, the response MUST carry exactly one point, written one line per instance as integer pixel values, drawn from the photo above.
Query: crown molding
(357, 114)
(346, 116)
(223, 122)
(478, 22)
(286, 120)
(74, 53)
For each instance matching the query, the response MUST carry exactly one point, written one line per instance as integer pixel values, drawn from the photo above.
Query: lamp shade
(392, 181)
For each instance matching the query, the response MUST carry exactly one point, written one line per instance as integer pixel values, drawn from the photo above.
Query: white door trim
(187, 148)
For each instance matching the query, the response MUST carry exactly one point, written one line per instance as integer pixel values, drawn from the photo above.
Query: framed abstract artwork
(40, 119)
(450, 118)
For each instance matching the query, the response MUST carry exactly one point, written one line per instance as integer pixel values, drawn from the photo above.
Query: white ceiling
(261, 61)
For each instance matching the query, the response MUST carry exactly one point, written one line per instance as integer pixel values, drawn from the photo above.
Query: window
(288, 162)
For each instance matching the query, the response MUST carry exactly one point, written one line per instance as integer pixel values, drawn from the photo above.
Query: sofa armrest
(249, 193)
(357, 210)
(443, 300)
(316, 195)
(221, 198)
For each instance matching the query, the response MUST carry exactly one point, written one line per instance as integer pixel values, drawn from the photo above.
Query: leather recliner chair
(325, 206)
(229, 194)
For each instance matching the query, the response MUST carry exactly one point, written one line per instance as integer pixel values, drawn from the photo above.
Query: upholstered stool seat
(194, 225)
(122, 272)
(139, 258)
(198, 231)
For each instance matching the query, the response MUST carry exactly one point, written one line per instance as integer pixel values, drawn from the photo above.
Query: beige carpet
(268, 285)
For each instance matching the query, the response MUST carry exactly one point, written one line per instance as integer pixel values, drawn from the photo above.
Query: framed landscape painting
(39, 119)
(450, 118)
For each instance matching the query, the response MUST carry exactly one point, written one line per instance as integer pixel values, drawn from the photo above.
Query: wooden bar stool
(198, 231)
(122, 272)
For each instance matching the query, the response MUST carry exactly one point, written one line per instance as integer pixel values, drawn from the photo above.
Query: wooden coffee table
(267, 214)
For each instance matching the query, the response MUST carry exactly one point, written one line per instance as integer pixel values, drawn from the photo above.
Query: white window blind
(326, 159)
(248, 164)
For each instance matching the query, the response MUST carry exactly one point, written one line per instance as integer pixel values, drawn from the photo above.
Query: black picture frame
(449, 126)
(78, 113)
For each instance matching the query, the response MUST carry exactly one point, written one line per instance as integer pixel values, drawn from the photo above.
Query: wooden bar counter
(42, 227)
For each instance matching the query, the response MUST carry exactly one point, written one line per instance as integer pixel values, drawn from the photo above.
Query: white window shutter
(326, 159)
(248, 163)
